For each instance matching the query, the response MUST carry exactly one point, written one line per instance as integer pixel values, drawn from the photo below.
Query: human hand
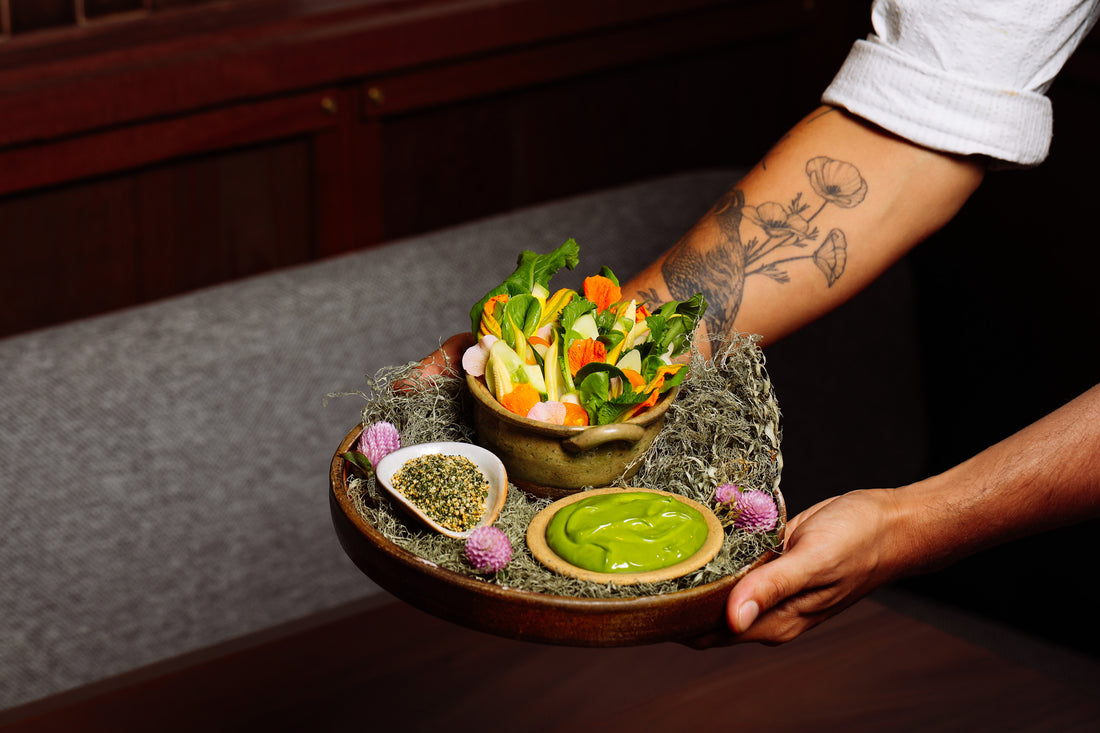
(447, 359)
(835, 553)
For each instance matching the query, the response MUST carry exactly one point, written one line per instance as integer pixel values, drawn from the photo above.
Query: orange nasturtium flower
(602, 291)
(575, 415)
(585, 351)
(521, 399)
(637, 381)
(641, 313)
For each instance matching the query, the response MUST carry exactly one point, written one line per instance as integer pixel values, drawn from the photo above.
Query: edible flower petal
(726, 493)
(490, 324)
(602, 291)
(585, 351)
(756, 512)
(488, 549)
(521, 399)
(637, 381)
(651, 390)
(475, 358)
(379, 440)
(552, 412)
(575, 414)
(663, 372)
(553, 307)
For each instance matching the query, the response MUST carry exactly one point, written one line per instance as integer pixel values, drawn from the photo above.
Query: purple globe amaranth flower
(726, 493)
(378, 440)
(488, 549)
(756, 512)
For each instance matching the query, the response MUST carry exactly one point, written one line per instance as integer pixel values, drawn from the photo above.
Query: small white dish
(487, 462)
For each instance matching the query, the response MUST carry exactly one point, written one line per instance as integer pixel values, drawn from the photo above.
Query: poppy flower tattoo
(720, 271)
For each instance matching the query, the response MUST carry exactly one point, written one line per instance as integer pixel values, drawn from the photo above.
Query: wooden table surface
(384, 665)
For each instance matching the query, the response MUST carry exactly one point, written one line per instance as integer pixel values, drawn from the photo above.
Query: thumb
(762, 589)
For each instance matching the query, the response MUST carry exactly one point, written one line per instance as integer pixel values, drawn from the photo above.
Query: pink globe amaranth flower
(726, 493)
(379, 440)
(488, 549)
(756, 512)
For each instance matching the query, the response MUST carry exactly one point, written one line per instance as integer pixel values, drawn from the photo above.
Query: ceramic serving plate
(688, 616)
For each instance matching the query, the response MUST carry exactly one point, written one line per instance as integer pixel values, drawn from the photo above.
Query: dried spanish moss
(723, 427)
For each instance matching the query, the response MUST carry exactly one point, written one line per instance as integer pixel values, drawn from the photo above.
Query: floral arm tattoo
(719, 272)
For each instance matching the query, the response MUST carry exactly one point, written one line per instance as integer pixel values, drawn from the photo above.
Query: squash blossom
(490, 325)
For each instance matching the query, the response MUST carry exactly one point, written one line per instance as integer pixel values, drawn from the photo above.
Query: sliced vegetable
(601, 357)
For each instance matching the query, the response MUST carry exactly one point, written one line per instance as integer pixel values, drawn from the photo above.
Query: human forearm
(1044, 476)
(799, 235)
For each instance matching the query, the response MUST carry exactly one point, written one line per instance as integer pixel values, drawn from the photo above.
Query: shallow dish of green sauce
(625, 535)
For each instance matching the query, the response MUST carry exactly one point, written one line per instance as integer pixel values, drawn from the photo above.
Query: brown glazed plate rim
(506, 611)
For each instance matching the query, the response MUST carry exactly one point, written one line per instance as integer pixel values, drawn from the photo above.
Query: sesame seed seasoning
(449, 489)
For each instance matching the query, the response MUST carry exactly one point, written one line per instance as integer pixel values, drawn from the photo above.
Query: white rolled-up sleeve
(964, 76)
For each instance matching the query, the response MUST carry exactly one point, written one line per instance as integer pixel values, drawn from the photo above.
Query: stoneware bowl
(694, 616)
(489, 465)
(553, 461)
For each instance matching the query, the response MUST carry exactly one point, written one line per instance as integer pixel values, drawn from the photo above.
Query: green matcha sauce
(626, 532)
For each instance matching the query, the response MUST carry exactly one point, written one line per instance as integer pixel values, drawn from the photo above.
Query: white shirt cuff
(936, 109)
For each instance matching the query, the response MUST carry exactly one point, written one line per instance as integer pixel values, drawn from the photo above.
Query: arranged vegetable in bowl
(569, 358)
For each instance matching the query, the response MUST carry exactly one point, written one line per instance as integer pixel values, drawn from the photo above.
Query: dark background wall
(1009, 315)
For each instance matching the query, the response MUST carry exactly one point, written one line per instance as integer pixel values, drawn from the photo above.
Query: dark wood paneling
(377, 119)
(489, 154)
(34, 15)
(129, 147)
(224, 216)
(176, 63)
(103, 8)
(107, 243)
(66, 253)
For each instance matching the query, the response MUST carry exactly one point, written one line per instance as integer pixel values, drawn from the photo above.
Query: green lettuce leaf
(606, 272)
(523, 312)
(531, 269)
(674, 324)
(574, 310)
